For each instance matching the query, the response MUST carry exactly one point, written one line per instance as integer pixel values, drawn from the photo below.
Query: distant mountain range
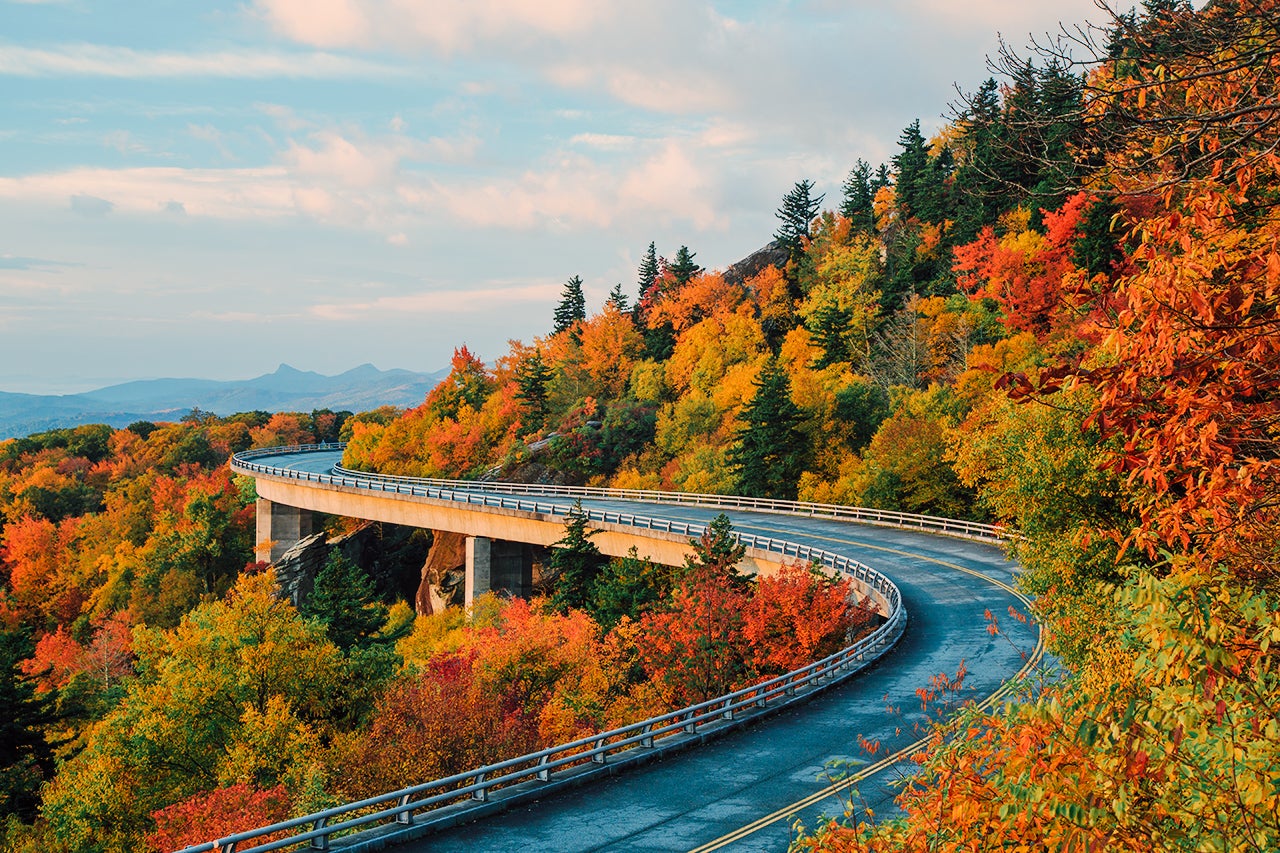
(286, 390)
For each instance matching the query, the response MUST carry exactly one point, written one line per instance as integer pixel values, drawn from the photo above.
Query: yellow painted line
(888, 761)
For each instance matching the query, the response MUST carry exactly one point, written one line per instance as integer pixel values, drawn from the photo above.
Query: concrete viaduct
(737, 792)
(292, 487)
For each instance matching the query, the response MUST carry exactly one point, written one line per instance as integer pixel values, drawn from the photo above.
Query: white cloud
(672, 181)
(220, 193)
(445, 26)
(378, 183)
(603, 140)
(441, 301)
(90, 60)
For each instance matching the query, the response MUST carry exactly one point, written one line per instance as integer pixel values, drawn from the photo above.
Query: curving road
(743, 791)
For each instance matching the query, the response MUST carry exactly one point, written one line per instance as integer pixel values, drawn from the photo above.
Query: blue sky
(211, 189)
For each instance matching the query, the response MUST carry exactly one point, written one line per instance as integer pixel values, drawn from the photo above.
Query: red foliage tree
(798, 616)
(209, 815)
(1031, 275)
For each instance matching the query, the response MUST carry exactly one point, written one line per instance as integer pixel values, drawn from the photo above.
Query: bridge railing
(405, 806)
(864, 515)
(408, 805)
(869, 579)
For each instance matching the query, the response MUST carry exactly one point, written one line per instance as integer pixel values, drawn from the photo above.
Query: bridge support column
(493, 564)
(280, 527)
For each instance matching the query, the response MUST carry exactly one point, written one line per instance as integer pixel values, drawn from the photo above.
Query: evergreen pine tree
(798, 210)
(683, 267)
(647, 274)
(882, 179)
(628, 586)
(532, 376)
(718, 550)
(935, 201)
(575, 563)
(771, 451)
(25, 757)
(573, 306)
(859, 196)
(617, 299)
(980, 192)
(912, 167)
(829, 325)
(344, 600)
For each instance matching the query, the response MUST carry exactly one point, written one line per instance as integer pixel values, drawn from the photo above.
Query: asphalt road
(744, 791)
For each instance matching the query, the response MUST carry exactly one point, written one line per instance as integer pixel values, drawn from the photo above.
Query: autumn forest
(1061, 314)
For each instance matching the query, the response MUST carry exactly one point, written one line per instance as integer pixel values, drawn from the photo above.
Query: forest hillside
(1059, 313)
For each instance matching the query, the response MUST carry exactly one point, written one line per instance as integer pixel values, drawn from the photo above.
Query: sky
(212, 189)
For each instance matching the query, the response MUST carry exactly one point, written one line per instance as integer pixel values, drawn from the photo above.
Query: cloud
(90, 60)
(398, 239)
(221, 193)
(444, 26)
(441, 301)
(16, 262)
(88, 205)
(387, 183)
(603, 140)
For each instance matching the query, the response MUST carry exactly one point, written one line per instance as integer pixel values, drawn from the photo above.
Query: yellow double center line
(888, 761)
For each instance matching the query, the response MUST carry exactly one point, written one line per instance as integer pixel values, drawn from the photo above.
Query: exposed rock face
(774, 254)
(389, 553)
(296, 571)
(443, 573)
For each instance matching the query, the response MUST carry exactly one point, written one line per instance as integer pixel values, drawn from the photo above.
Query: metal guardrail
(406, 805)
(864, 515)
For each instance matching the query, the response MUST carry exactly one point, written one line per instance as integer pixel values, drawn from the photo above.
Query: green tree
(648, 272)
(532, 376)
(799, 207)
(859, 196)
(829, 325)
(683, 268)
(241, 689)
(771, 450)
(573, 306)
(25, 756)
(617, 299)
(912, 167)
(717, 551)
(628, 586)
(860, 409)
(343, 600)
(575, 563)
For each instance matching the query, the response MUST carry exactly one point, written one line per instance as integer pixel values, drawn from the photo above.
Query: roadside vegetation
(1059, 314)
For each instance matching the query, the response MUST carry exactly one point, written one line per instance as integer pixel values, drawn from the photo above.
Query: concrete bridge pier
(494, 564)
(280, 527)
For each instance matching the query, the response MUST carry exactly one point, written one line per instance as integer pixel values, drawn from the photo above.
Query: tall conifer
(799, 207)
(771, 451)
(573, 306)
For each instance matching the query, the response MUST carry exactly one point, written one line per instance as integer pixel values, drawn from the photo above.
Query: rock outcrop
(775, 254)
(443, 573)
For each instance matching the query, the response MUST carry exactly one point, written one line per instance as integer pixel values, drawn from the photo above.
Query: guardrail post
(481, 794)
(598, 757)
(404, 818)
(321, 843)
(544, 774)
(691, 725)
(647, 740)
